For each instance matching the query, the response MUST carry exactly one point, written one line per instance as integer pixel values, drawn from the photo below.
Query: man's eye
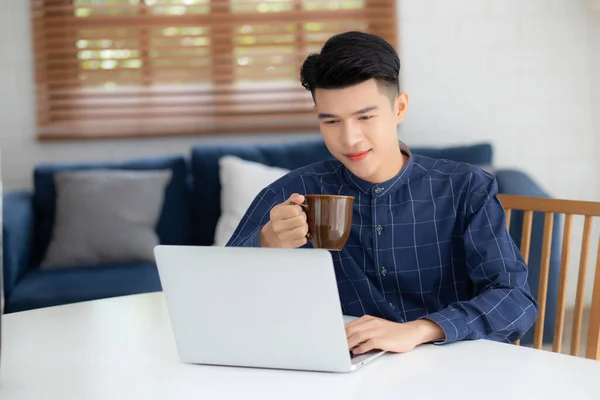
(365, 117)
(333, 121)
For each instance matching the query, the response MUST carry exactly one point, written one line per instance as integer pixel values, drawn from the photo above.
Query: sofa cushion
(477, 154)
(105, 216)
(45, 288)
(173, 225)
(241, 181)
(207, 188)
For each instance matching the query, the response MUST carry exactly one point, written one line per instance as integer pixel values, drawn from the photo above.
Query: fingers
(295, 199)
(368, 333)
(289, 208)
(295, 237)
(286, 211)
(359, 321)
(295, 243)
(291, 227)
(298, 232)
(361, 330)
(369, 345)
(361, 337)
(288, 223)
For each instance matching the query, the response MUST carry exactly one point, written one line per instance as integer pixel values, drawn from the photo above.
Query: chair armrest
(518, 183)
(17, 231)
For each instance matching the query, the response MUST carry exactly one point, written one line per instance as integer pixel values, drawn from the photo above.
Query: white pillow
(241, 181)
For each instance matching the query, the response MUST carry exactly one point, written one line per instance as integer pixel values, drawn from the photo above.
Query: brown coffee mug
(329, 219)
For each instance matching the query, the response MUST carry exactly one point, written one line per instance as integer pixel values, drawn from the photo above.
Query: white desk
(123, 348)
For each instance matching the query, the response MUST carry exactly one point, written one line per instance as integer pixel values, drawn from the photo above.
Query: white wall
(596, 80)
(517, 73)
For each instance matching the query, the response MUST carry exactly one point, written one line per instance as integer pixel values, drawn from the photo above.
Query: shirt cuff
(452, 323)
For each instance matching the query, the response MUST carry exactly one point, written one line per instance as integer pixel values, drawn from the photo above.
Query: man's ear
(401, 107)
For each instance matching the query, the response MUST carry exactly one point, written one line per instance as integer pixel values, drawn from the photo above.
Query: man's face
(359, 127)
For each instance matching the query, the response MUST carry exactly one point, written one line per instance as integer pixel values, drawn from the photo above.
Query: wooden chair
(550, 208)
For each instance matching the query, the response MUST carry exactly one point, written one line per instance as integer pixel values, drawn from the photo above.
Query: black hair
(351, 58)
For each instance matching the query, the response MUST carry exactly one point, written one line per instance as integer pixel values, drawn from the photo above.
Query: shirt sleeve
(247, 233)
(503, 307)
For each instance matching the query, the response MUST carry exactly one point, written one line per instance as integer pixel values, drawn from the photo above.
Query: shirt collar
(383, 188)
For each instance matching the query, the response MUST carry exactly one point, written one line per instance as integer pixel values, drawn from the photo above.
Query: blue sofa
(189, 217)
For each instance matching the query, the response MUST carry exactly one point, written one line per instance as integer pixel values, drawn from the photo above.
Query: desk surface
(123, 348)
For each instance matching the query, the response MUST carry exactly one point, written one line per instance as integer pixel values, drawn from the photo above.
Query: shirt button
(379, 229)
(378, 190)
(393, 306)
(383, 271)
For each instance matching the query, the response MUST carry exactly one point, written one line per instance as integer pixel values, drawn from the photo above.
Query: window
(132, 68)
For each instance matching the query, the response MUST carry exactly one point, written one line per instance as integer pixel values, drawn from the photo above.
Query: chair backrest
(568, 208)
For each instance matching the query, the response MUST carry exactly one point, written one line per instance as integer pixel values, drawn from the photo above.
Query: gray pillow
(105, 216)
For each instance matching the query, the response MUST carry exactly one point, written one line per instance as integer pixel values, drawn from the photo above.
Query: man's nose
(351, 134)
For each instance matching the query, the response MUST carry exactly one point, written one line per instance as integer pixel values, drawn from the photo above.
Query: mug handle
(304, 208)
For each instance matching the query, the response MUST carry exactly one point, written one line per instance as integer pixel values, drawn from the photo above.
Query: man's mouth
(357, 156)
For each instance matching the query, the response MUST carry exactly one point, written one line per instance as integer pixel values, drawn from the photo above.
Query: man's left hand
(380, 334)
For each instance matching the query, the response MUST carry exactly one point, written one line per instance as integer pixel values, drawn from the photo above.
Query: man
(429, 258)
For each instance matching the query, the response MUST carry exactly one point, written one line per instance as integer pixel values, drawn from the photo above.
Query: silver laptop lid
(274, 308)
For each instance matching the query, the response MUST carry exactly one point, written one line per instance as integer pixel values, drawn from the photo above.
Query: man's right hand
(287, 225)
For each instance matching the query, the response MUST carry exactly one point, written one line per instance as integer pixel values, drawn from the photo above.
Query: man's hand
(287, 225)
(380, 334)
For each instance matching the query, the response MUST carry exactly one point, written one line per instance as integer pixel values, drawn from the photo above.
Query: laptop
(256, 307)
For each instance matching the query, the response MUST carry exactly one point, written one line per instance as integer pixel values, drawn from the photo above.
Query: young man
(429, 258)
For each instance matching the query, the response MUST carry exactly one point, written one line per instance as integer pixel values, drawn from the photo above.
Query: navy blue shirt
(429, 243)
